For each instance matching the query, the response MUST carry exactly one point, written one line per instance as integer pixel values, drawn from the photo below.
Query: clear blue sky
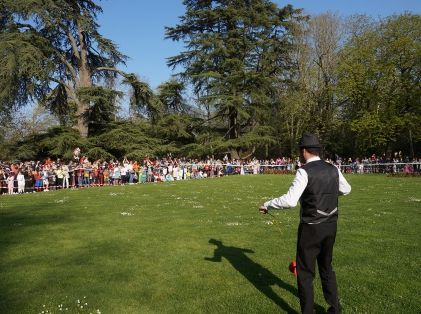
(137, 27)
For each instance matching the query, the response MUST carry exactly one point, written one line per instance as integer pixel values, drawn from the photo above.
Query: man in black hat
(317, 185)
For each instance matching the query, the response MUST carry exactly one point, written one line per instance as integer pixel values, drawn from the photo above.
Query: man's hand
(263, 210)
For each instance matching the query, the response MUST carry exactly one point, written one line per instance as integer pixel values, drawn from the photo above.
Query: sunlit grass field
(201, 246)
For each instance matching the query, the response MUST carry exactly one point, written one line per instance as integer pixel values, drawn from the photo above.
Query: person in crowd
(79, 174)
(106, 174)
(38, 180)
(100, 174)
(45, 179)
(21, 182)
(3, 184)
(66, 176)
(29, 180)
(117, 175)
(10, 183)
(60, 176)
(94, 174)
(123, 172)
(87, 169)
(130, 172)
(76, 154)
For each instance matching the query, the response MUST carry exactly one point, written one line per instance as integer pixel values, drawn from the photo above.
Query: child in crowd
(21, 182)
(10, 183)
(45, 182)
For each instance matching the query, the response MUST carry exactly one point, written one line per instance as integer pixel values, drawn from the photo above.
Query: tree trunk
(85, 80)
(82, 123)
(233, 132)
(411, 145)
(82, 112)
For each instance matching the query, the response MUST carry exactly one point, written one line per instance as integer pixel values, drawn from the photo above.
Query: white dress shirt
(299, 184)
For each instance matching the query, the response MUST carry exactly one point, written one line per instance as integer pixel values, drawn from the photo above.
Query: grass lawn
(200, 246)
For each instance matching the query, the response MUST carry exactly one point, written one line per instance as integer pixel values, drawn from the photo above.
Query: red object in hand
(293, 268)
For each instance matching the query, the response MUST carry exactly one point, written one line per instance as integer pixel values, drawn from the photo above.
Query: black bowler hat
(309, 140)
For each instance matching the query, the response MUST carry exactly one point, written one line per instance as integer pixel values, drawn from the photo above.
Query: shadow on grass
(16, 227)
(260, 277)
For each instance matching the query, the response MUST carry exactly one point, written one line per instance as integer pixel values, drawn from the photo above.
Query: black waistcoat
(319, 201)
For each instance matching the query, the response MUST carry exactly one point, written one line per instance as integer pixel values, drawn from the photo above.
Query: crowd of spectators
(37, 176)
(396, 163)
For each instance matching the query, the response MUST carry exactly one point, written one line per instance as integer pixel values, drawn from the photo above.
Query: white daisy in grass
(126, 214)
(414, 199)
(233, 223)
(269, 222)
(61, 201)
(78, 306)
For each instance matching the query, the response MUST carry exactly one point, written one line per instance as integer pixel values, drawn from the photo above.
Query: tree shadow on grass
(260, 277)
(16, 227)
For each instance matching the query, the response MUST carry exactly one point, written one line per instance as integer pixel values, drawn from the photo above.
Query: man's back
(319, 201)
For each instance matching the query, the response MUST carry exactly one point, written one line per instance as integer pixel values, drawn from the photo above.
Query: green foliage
(123, 138)
(48, 48)
(143, 101)
(139, 154)
(25, 151)
(176, 127)
(380, 73)
(58, 103)
(24, 68)
(97, 153)
(373, 134)
(195, 150)
(234, 53)
(102, 106)
(170, 94)
(57, 142)
(60, 142)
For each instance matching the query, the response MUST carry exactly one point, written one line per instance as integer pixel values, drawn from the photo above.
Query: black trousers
(315, 242)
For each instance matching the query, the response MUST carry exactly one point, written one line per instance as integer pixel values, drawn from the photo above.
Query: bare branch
(122, 73)
(73, 43)
(69, 67)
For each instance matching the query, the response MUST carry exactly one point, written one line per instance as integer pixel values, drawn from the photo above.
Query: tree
(126, 138)
(324, 40)
(170, 94)
(379, 84)
(317, 43)
(234, 52)
(50, 50)
(102, 109)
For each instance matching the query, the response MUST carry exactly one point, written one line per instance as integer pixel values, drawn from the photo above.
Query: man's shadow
(260, 277)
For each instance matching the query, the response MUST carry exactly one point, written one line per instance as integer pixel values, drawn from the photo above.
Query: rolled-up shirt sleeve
(344, 187)
(291, 198)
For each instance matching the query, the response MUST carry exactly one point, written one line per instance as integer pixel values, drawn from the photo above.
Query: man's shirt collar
(315, 158)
